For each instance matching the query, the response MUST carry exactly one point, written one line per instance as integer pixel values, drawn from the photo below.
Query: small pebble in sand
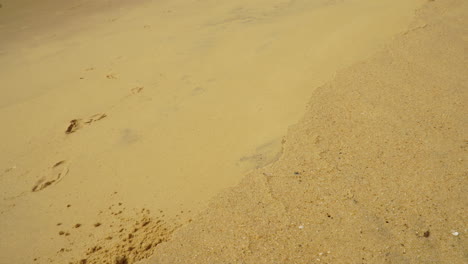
(77, 225)
(301, 226)
(97, 224)
(455, 233)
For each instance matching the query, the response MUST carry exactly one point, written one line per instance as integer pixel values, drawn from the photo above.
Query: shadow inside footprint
(53, 175)
(77, 124)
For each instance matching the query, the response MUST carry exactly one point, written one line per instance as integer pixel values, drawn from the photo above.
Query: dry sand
(375, 172)
(121, 120)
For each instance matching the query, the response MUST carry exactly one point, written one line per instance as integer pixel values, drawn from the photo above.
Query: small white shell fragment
(455, 233)
(301, 226)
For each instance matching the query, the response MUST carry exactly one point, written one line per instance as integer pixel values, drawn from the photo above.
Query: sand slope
(375, 172)
(121, 119)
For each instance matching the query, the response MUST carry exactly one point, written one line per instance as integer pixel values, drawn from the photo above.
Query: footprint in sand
(53, 175)
(137, 90)
(77, 124)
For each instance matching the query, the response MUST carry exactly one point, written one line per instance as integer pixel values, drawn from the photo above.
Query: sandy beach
(259, 131)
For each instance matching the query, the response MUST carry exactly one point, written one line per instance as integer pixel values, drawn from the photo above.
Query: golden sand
(375, 172)
(120, 121)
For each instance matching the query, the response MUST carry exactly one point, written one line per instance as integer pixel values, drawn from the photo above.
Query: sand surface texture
(375, 172)
(121, 119)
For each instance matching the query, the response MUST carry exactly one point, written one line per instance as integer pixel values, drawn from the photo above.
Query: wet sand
(124, 120)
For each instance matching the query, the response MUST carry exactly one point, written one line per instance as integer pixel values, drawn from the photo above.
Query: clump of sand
(136, 239)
